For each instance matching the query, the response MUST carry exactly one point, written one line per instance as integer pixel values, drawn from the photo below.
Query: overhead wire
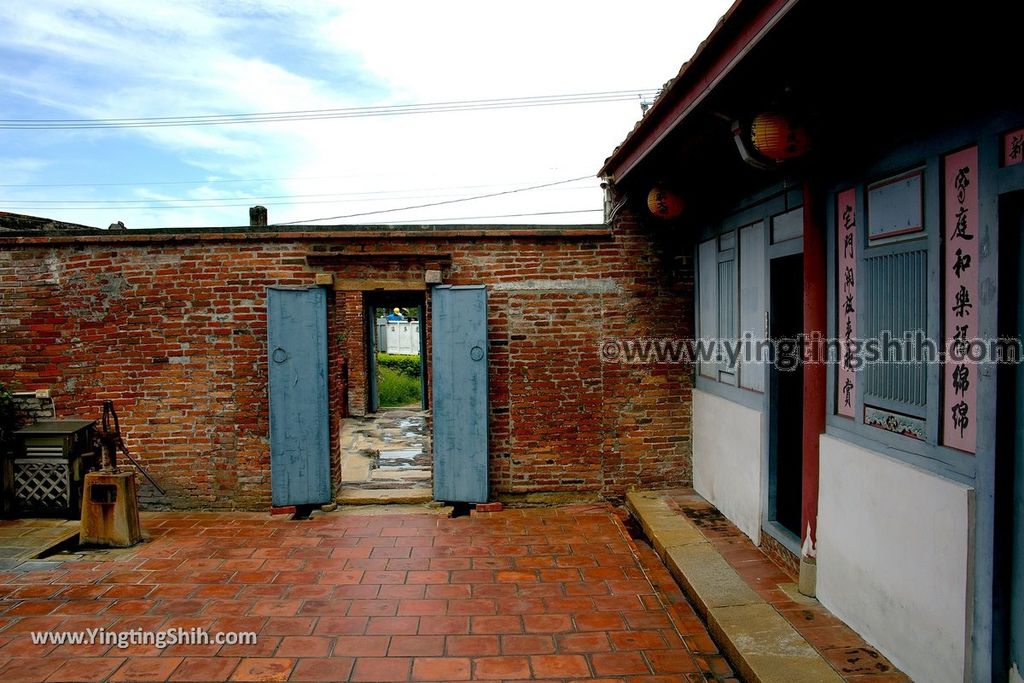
(215, 202)
(502, 215)
(180, 182)
(203, 202)
(236, 180)
(332, 113)
(442, 203)
(301, 115)
(314, 114)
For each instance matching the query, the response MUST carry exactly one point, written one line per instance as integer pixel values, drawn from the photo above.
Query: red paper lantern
(776, 137)
(664, 203)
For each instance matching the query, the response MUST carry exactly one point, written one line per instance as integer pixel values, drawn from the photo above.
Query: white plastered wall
(894, 549)
(727, 463)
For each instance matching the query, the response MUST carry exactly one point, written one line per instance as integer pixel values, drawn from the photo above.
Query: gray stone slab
(767, 648)
(713, 581)
(794, 594)
(406, 496)
(37, 566)
(665, 536)
(758, 641)
(392, 455)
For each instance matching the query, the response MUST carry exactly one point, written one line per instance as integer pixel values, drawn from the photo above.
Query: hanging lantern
(777, 137)
(664, 203)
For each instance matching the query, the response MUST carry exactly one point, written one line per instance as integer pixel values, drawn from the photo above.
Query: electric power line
(236, 180)
(162, 204)
(217, 203)
(504, 215)
(337, 113)
(206, 202)
(424, 206)
(178, 182)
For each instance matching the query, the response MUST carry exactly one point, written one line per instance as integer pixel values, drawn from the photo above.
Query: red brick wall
(352, 336)
(173, 329)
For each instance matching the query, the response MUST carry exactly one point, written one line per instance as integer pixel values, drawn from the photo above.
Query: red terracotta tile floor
(536, 594)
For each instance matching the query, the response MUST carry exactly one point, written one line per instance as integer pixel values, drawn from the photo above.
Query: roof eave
(716, 57)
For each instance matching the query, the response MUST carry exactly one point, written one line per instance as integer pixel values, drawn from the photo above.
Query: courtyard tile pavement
(535, 594)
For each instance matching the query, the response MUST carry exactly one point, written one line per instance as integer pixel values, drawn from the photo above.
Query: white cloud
(106, 58)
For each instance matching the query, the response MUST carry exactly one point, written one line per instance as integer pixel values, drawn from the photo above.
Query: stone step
(758, 641)
(405, 496)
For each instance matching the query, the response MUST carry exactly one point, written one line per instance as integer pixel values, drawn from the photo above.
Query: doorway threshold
(782, 545)
(787, 538)
(406, 496)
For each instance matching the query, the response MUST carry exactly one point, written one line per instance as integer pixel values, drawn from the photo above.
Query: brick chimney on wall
(257, 217)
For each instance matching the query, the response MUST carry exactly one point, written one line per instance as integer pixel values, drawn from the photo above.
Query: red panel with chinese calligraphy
(846, 294)
(1013, 147)
(960, 297)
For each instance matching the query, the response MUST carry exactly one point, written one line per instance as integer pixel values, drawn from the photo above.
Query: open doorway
(1008, 551)
(386, 453)
(397, 337)
(785, 438)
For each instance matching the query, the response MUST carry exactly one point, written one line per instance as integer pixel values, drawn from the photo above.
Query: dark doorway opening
(1008, 541)
(785, 438)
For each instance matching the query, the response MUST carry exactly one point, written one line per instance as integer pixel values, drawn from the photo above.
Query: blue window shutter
(727, 311)
(752, 303)
(896, 303)
(708, 283)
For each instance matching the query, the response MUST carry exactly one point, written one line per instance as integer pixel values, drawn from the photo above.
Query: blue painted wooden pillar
(459, 338)
(300, 471)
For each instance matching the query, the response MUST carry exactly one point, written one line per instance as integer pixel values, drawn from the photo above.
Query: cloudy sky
(124, 59)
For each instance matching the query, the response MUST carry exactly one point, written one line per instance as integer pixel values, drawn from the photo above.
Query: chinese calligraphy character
(848, 244)
(1016, 146)
(847, 392)
(961, 379)
(849, 282)
(960, 417)
(848, 304)
(963, 262)
(963, 303)
(961, 251)
(960, 182)
(960, 340)
(847, 217)
(960, 229)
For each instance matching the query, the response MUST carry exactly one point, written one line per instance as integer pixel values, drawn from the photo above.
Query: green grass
(396, 388)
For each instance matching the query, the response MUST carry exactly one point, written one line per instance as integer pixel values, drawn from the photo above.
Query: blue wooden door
(300, 471)
(459, 339)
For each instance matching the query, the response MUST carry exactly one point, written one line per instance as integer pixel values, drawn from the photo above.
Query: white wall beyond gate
(398, 336)
(727, 463)
(894, 549)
